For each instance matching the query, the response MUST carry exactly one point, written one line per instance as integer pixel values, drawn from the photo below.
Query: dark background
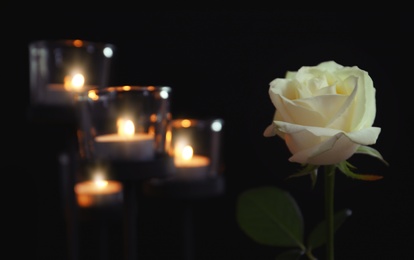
(219, 64)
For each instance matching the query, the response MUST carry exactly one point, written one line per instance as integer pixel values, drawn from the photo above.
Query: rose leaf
(270, 216)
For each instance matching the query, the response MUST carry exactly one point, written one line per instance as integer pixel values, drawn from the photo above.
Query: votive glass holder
(195, 145)
(123, 123)
(60, 68)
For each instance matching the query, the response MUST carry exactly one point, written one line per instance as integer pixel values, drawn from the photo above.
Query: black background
(219, 64)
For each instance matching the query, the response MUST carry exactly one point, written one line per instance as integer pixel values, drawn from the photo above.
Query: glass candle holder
(60, 68)
(123, 123)
(195, 145)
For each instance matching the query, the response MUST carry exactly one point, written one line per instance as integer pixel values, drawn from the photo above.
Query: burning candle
(72, 82)
(98, 192)
(64, 93)
(126, 144)
(190, 166)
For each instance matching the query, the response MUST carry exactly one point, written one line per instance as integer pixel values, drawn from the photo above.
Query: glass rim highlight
(78, 43)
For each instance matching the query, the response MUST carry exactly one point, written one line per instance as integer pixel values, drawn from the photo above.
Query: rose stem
(329, 209)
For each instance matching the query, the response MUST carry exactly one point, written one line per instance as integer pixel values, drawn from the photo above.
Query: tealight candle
(126, 144)
(64, 93)
(98, 192)
(190, 166)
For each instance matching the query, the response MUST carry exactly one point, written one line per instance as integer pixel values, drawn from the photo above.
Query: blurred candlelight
(189, 165)
(74, 82)
(126, 127)
(98, 192)
(125, 144)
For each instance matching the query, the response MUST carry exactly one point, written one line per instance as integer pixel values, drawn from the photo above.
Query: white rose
(324, 113)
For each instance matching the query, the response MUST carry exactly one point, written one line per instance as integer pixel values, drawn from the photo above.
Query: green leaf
(318, 235)
(345, 168)
(270, 216)
(294, 254)
(363, 149)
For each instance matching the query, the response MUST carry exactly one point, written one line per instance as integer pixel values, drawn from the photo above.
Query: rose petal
(270, 131)
(294, 111)
(365, 108)
(367, 136)
(333, 150)
(324, 145)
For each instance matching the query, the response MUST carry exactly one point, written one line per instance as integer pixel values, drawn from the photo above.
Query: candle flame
(101, 183)
(187, 152)
(125, 127)
(99, 180)
(74, 82)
